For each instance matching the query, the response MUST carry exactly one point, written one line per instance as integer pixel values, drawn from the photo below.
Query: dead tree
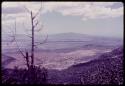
(33, 43)
(33, 70)
(33, 26)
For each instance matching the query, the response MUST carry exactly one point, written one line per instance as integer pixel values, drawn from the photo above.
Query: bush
(33, 75)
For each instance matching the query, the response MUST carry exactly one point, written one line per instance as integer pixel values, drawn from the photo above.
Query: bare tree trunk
(27, 59)
(33, 44)
(32, 52)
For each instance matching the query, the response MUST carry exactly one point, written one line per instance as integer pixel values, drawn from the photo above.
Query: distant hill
(63, 37)
(62, 41)
(78, 37)
(65, 40)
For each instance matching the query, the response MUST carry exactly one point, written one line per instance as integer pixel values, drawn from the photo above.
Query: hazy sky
(94, 18)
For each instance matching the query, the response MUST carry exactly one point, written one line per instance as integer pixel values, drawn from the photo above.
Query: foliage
(33, 75)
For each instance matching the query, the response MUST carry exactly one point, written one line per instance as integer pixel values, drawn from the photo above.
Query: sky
(93, 18)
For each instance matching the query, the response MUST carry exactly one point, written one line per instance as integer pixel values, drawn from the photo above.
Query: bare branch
(12, 39)
(39, 29)
(39, 43)
(27, 9)
(36, 23)
(37, 12)
(14, 35)
(29, 36)
(26, 31)
(19, 49)
(26, 28)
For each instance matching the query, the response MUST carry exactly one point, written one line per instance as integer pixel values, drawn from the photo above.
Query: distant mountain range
(62, 37)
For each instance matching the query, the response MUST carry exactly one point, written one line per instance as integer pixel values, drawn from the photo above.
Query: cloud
(12, 10)
(86, 10)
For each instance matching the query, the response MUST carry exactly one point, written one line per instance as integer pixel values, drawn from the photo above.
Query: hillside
(99, 71)
(106, 69)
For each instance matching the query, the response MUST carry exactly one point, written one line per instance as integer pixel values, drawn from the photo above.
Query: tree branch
(19, 49)
(39, 29)
(29, 36)
(37, 12)
(14, 35)
(27, 9)
(36, 24)
(39, 43)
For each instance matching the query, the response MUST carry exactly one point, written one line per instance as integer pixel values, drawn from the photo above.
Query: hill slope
(106, 70)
